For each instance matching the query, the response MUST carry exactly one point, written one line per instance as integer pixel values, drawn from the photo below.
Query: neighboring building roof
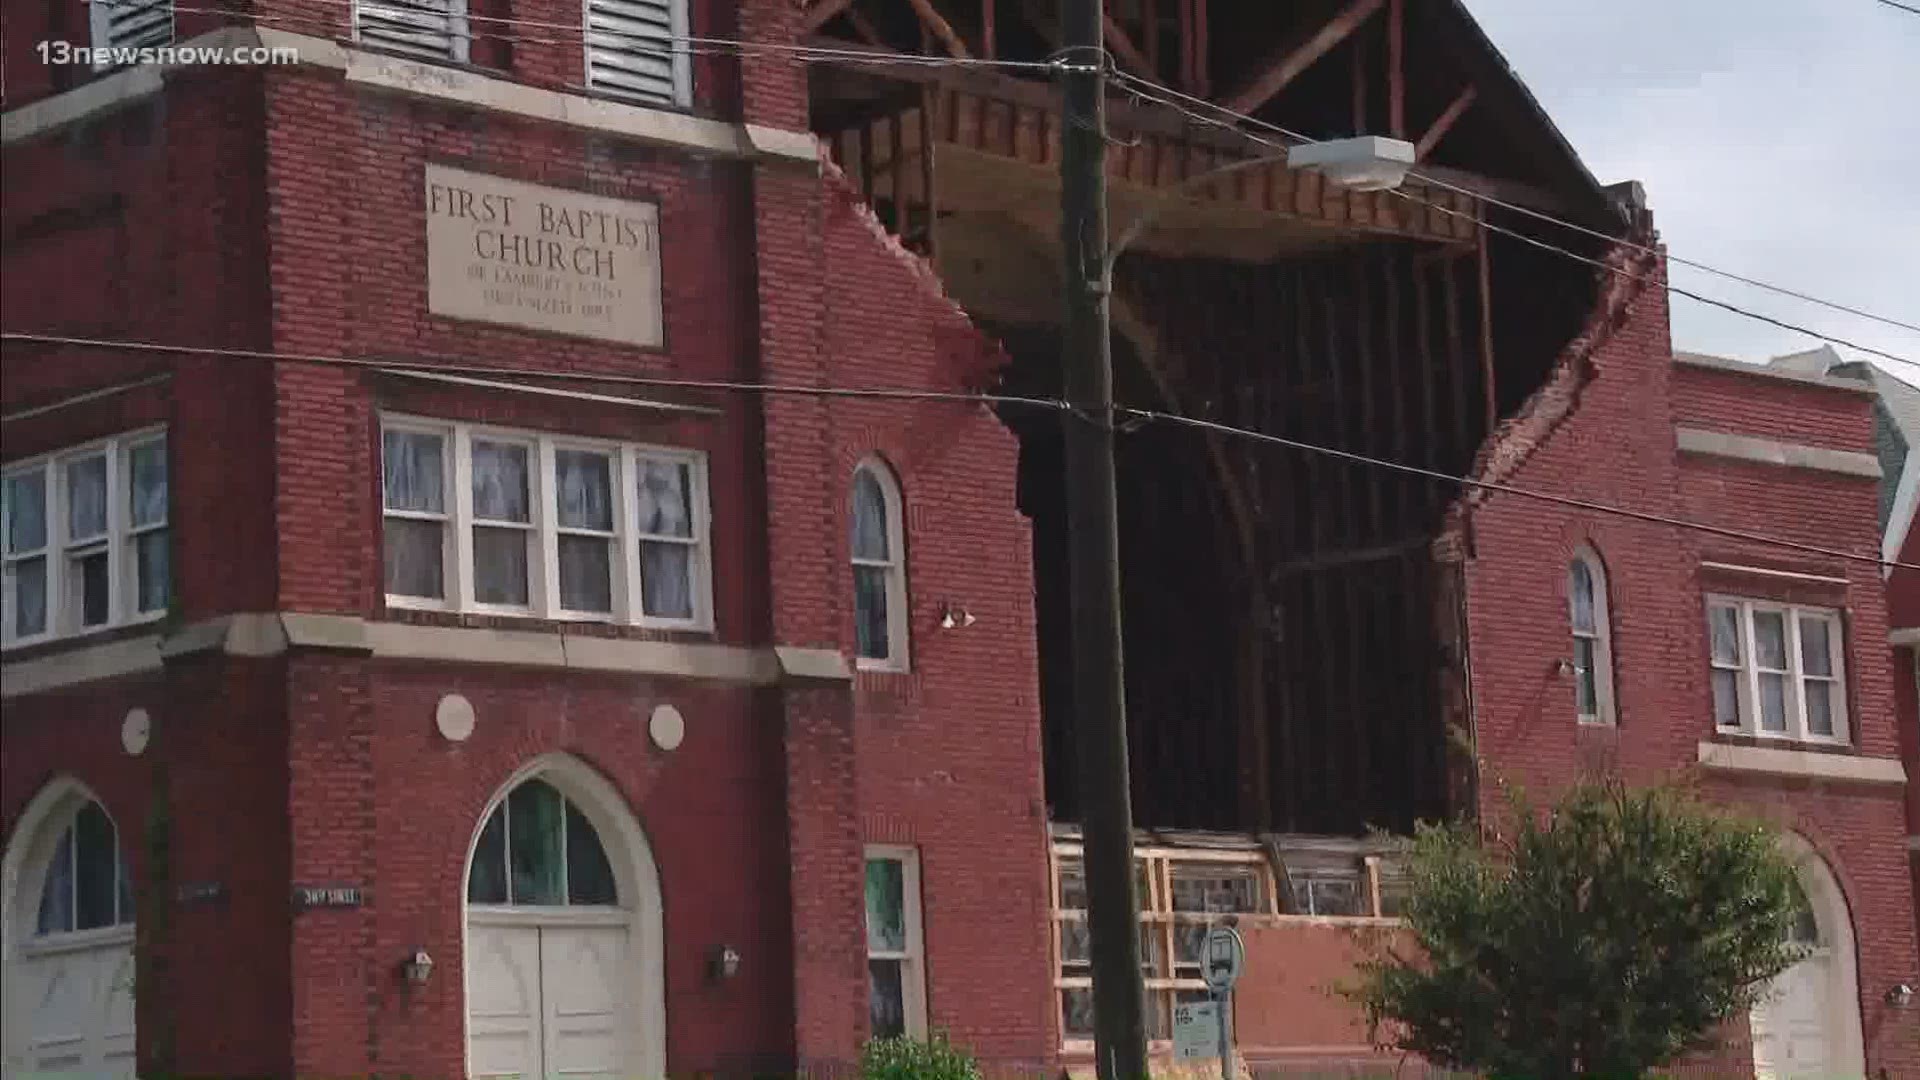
(1896, 435)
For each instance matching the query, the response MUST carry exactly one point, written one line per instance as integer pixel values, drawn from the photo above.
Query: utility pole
(1099, 688)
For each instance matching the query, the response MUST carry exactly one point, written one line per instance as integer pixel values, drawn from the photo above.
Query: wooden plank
(1202, 81)
(1396, 69)
(1150, 21)
(1125, 50)
(1357, 72)
(1486, 337)
(1368, 440)
(822, 13)
(865, 28)
(1297, 55)
(989, 46)
(939, 27)
(1186, 46)
(929, 190)
(1456, 362)
(1444, 122)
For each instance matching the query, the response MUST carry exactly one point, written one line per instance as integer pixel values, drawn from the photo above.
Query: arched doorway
(563, 936)
(69, 909)
(1807, 1025)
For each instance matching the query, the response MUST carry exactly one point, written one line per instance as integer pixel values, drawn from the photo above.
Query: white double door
(1792, 1025)
(77, 1001)
(549, 998)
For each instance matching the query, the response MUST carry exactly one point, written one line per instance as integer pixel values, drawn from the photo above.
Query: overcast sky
(1779, 139)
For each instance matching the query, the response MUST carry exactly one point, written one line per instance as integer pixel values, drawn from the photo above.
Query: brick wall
(1613, 442)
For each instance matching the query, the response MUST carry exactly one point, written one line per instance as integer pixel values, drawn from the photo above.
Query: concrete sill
(1800, 764)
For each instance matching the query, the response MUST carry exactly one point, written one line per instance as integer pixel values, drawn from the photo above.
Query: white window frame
(913, 960)
(119, 540)
(894, 566)
(1601, 636)
(1749, 671)
(543, 561)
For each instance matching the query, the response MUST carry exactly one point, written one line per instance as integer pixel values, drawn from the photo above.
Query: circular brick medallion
(454, 717)
(667, 727)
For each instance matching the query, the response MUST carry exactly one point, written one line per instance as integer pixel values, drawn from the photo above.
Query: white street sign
(1196, 1030)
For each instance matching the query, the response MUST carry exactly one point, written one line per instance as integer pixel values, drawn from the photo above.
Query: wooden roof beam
(822, 13)
(1298, 54)
(1125, 50)
(939, 27)
(1444, 123)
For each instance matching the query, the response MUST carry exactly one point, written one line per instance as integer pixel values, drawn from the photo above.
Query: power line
(1522, 237)
(1909, 9)
(968, 398)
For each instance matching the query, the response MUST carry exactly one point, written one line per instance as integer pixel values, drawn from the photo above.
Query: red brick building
(431, 649)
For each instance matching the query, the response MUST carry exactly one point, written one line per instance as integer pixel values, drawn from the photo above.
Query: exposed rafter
(1297, 55)
(939, 27)
(822, 13)
(1444, 122)
(1126, 51)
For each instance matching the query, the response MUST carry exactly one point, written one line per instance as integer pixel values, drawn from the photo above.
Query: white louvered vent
(428, 29)
(631, 52)
(130, 24)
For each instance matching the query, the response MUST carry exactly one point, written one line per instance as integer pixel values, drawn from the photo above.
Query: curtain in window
(26, 517)
(147, 509)
(870, 540)
(87, 498)
(1816, 667)
(1724, 629)
(584, 491)
(886, 934)
(1580, 579)
(534, 841)
(499, 494)
(666, 566)
(413, 469)
(1770, 656)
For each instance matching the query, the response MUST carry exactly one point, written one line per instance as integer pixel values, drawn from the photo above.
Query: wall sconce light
(723, 963)
(952, 615)
(418, 967)
(1900, 996)
(1563, 667)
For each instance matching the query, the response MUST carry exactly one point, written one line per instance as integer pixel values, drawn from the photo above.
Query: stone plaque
(542, 258)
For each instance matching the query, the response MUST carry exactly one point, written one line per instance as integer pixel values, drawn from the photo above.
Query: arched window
(537, 849)
(87, 885)
(1592, 638)
(879, 569)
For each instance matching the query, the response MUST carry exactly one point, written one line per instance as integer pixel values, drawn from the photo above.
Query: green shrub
(910, 1059)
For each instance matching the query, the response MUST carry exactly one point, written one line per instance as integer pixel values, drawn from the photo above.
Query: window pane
(1073, 887)
(1580, 593)
(126, 893)
(886, 998)
(500, 565)
(147, 483)
(1773, 702)
(870, 540)
(499, 481)
(151, 565)
(413, 551)
(538, 867)
(56, 897)
(1394, 897)
(1076, 945)
(96, 862)
(1586, 694)
(870, 610)
(1076, 1007)
(87, 586)
(1819, 707)
(1726, 698)
(1770, 639)
(584, 489)
(1201, 888)
(589, 875)
(487, 880)
(1326, 896)
(586, 573)
(886, 906)
(1816, 646)
(1724, 623)
(26, 495)
(413, 466)
(29, 583)
(665, 509)
(666, 580)
(87, 497)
